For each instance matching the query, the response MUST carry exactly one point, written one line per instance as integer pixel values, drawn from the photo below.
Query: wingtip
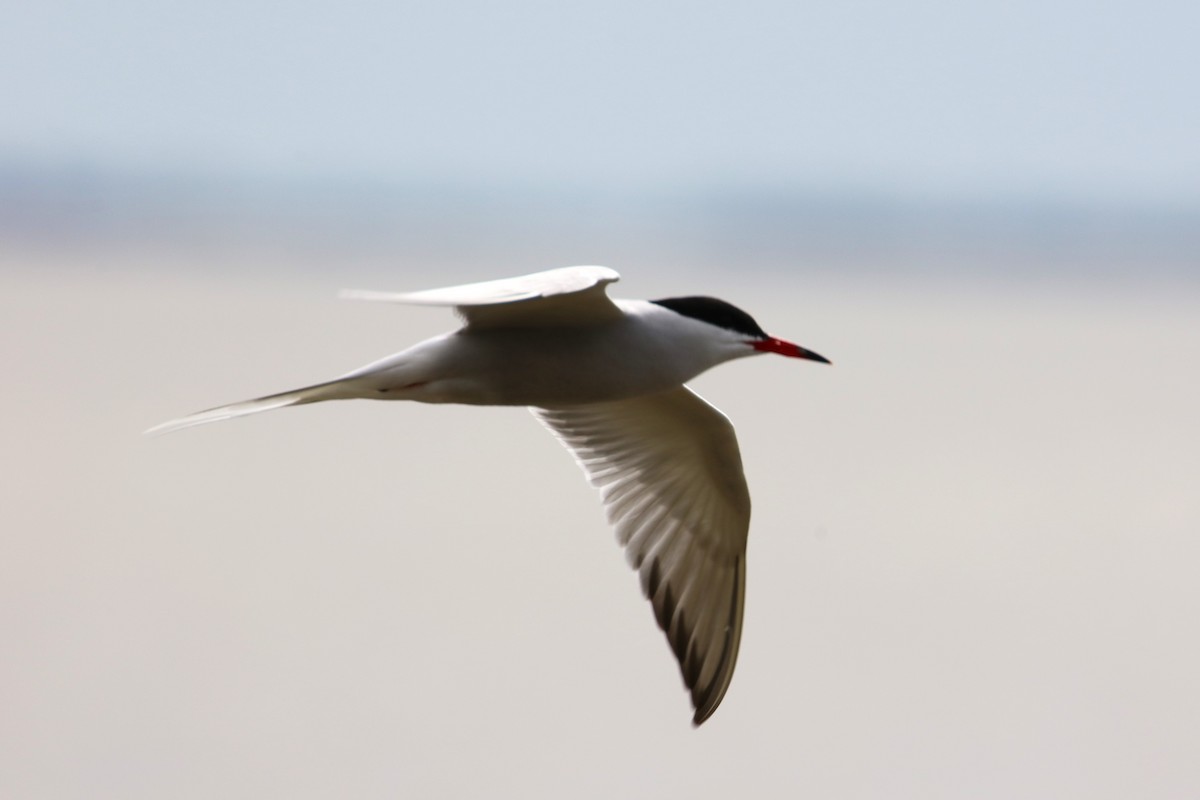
(367, 294)
(703, 711)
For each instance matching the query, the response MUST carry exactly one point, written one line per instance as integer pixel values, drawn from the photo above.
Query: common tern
(607, 378)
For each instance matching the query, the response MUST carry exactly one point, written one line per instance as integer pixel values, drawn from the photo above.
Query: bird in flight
(607, 378)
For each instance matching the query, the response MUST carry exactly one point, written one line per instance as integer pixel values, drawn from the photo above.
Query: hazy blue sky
(1083, 98)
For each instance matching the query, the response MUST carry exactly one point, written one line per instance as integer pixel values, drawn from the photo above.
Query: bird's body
(616, 359)
(607, 377)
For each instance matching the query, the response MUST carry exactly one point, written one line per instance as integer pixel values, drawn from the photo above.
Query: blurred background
(973, 559)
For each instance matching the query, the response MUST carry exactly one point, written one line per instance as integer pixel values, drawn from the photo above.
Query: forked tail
(331, 390)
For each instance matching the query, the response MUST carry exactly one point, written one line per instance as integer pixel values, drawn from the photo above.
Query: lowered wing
(670, 474)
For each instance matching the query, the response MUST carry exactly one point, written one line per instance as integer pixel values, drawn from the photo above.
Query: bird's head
(743, 334)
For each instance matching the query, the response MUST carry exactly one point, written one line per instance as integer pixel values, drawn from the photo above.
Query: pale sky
(1075, 98)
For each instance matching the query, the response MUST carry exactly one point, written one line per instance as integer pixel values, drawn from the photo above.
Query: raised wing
(670, 474)
(566, 296)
